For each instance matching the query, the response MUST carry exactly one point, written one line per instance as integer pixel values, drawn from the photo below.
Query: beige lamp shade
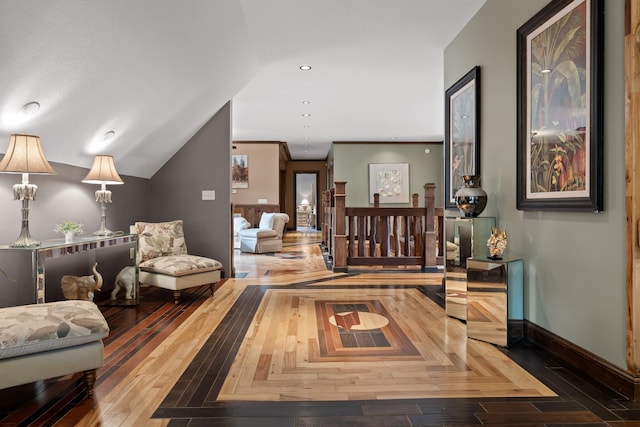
(25, 155)
(103, 171)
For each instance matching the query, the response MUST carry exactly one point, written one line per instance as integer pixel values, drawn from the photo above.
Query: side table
(495, 300)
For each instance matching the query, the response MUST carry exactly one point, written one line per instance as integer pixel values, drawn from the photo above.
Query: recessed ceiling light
(30, 108)
(306, 102)
(306, 115)
(305, 67)
(306, 138)
(109, 135)
(306, 126)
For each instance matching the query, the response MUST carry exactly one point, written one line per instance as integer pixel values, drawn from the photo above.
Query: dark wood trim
(257, 142)
(389, 142)
(584, 362)
(253, 212)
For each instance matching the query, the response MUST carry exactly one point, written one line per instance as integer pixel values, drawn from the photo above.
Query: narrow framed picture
(239, 171)
(462, 133)
(560, 112)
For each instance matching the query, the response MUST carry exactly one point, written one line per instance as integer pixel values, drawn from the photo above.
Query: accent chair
(163, 260)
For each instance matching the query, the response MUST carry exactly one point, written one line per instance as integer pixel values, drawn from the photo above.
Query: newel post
(326, 217)
(340, 239)
(430, 226)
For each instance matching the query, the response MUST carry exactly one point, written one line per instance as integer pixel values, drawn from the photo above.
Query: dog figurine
(497, 243)
(125, 280)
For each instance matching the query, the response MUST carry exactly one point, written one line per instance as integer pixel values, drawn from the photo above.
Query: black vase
(471, 199)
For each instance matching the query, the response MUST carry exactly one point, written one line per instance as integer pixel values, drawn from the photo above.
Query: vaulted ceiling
(154, 71)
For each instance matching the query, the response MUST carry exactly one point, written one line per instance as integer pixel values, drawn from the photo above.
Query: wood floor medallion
(293, 352)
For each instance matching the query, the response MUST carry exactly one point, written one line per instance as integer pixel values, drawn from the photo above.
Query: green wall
(351, 164)
(574, 262)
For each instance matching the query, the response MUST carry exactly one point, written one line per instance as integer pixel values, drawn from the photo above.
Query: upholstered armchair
(267, 237)
(163, 260)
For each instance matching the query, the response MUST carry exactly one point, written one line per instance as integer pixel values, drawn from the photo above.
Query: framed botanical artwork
(462, 133)
(390, 180)
(560, 78)
(239, 171)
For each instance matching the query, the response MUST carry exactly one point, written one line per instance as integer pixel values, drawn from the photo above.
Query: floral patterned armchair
(163, 260)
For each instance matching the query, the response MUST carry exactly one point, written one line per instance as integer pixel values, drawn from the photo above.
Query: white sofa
(267, 237)
(239, 224)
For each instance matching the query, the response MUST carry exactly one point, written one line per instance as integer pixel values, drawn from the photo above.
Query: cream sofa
(239, 224)
(267, 237)
(41, 341)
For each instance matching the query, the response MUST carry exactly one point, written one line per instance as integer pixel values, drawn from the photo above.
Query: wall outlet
(262, 201)
(208, 194)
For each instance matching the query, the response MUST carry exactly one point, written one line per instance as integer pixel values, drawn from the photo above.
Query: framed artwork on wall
(560, 80)
(390, 180)
(462, 133)
(239, 171)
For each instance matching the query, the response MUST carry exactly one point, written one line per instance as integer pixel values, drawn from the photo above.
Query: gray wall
(574, 262)
(351, 164)
(203, 163)
(64, 197)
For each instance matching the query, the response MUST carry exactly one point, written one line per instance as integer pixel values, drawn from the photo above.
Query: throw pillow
(266, 221)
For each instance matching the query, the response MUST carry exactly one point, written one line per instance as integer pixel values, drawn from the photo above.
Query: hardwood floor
(265, 351)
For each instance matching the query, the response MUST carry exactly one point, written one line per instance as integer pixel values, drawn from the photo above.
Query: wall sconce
(25, 156)
(103, 172)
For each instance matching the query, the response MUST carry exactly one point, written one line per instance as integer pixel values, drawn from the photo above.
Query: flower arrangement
(69, 227)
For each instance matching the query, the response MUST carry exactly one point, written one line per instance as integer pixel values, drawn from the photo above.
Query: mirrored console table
(466, 238)
(33, 275)
(495, 300)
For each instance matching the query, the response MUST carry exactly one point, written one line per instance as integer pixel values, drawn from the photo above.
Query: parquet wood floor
(247, 357)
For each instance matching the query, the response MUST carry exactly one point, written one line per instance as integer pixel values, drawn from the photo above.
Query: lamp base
(103, 232)
(25, 242)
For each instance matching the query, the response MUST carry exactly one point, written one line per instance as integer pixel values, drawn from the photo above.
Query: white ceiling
(154, 71)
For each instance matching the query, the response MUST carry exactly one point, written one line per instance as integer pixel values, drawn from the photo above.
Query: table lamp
(103, 172)
(25, 156)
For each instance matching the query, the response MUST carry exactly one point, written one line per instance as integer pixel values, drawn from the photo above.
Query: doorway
(306, 200)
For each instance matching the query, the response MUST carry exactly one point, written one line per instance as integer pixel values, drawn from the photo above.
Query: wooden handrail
(386, 236)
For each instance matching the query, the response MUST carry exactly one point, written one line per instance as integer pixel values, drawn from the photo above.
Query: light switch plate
(208, 194)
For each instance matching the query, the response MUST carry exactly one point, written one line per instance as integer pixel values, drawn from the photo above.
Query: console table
(495, 306)
(469, 235)
(25, 272)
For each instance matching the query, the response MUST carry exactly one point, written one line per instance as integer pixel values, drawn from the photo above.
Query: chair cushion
(257, 233)
(159, 239)
(266, 221)
(451, 246)
(36, 328)
(180, 265)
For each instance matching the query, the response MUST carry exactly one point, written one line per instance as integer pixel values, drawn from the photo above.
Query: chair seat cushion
(180, 265)
(257, 233)
(37, 328)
